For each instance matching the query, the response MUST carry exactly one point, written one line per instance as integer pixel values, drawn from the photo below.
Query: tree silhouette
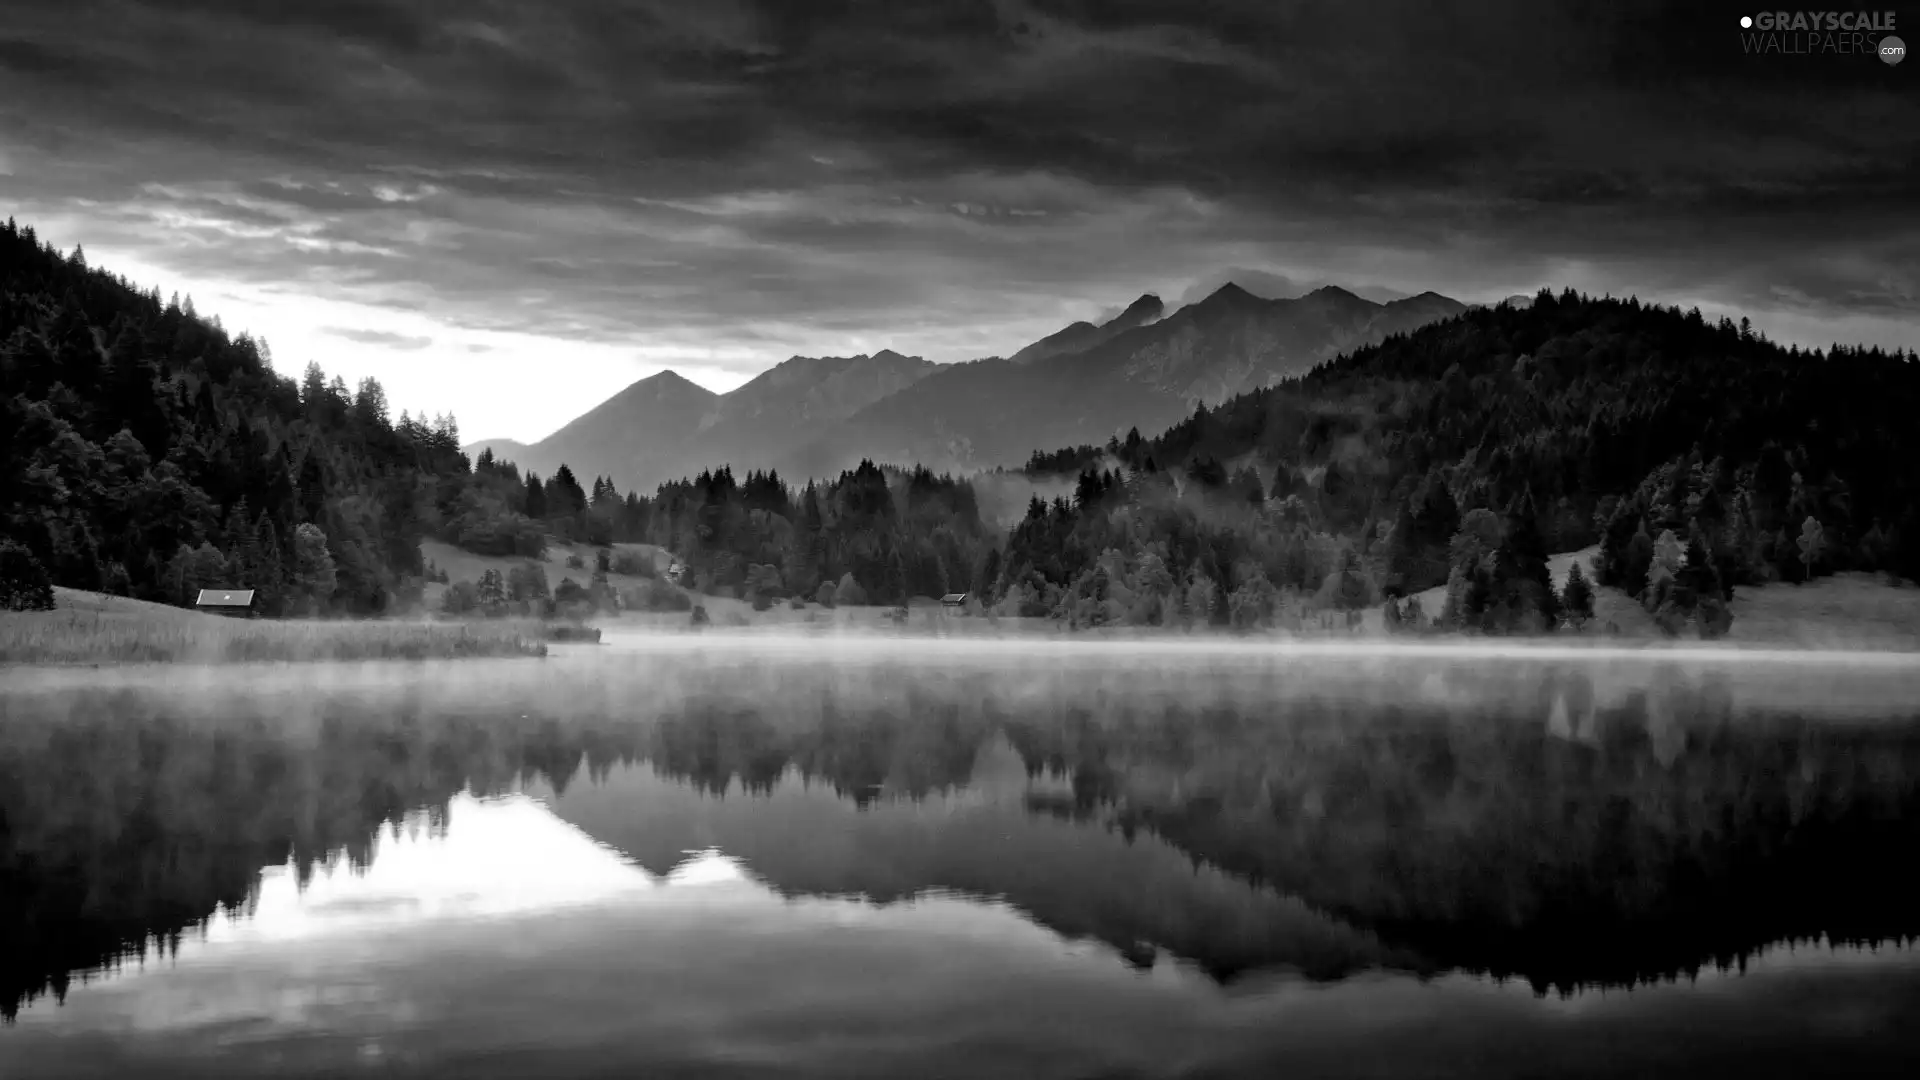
(1811, 541)
(1576, 598)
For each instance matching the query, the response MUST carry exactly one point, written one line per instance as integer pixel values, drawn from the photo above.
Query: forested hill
(1594, 420)
(145, 451)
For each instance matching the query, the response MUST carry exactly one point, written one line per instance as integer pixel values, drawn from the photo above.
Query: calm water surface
(939, 862)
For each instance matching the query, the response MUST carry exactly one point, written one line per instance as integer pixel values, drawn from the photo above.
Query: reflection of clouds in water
(240, 1010)
(366, 905)
(709, 868)
(495, 857)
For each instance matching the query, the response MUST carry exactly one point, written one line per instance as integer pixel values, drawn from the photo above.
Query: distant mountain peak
(1081, 335)
(1143, 310)
(1229, 297)
(669, 377)
(661, 386)
(884, 356)
(1335, 292)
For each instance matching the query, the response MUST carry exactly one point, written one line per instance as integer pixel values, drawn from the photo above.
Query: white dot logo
(1892, 49)
(1746, 22)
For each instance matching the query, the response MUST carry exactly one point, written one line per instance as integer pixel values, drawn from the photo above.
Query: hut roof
(225, 598)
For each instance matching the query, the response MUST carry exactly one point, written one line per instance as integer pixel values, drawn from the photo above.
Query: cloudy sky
(512, 209)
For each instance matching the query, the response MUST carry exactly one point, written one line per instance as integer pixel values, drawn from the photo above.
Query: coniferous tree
(1576, 598)
(535, 499)
(491, 591)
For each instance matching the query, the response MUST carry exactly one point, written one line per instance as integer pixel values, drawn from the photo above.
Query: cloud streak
(749, 180)
(407, 342)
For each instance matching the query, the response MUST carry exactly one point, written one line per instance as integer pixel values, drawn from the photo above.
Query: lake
(759, 857)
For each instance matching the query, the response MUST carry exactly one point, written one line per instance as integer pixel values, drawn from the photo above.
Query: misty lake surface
(714, 857)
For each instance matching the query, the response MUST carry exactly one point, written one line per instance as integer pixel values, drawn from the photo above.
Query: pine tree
(564, 495)
(492, 591)
(1576, 598)
(267, 568)
(1637, 561)
(535, 500)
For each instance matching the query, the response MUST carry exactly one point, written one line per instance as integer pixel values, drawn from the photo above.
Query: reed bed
(96, 637)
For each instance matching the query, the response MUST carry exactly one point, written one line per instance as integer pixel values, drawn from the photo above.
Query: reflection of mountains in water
(1139, 895)
(1561, 835)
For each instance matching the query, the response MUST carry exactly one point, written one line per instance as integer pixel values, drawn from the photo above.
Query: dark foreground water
(1075, 865)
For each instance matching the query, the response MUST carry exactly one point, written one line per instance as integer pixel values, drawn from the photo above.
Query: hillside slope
(145, 450)
(1498, 436)
(462, 565)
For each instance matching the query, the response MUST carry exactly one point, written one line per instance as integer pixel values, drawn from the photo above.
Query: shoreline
(879, 643)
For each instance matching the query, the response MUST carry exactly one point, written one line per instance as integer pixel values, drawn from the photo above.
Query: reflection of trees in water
(1549, 835)
(120, 832)
(1676, 836)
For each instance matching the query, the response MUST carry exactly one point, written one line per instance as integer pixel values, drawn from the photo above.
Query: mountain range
(664, 426)
(814, 416)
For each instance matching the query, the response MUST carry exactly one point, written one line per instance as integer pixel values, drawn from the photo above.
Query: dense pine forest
(149, 453)
(873, 535)
(1698, 455)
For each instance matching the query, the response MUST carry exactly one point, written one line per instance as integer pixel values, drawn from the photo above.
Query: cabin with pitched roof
(954, 600)
(233, 603)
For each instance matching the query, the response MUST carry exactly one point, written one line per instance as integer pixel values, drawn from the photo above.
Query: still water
(758, 862)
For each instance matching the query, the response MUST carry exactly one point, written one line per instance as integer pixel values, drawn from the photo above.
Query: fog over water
(660, 665)
(758, 855)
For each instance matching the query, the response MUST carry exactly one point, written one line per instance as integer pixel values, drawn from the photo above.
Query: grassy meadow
(91, 628)
(462, 565)
(1851, 610)
(1844, 611)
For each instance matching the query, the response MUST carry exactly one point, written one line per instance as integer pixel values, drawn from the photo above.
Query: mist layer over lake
(763, 857)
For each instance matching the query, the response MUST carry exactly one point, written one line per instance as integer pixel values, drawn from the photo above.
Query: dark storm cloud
(948, 174)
